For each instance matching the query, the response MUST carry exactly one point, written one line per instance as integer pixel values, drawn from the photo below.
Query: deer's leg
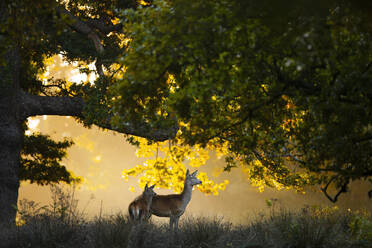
(176, 223)
(142, 217)
(171, 223)
(148, 216)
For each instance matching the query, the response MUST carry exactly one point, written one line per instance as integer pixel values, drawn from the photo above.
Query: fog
(100, 156)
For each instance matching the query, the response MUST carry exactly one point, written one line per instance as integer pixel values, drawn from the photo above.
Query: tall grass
(61, 225)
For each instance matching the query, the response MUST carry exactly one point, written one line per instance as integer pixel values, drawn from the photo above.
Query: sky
(100, 156)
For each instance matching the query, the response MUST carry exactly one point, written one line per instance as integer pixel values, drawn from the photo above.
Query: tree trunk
(11, 136)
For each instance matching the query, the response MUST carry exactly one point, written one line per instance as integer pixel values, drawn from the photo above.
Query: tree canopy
(291, 99)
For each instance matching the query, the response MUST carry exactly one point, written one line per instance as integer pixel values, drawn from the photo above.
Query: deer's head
(191, 178)
(149, 191)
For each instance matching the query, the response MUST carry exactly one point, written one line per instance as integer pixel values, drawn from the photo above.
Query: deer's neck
(147, 199)
(186, 194)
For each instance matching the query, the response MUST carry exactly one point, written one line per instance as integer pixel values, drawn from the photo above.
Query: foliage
(165, 167)
(292, 102)
(361, 225)
(41, 160)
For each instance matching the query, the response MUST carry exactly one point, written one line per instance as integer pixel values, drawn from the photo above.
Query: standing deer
(173, 206)
(139, 209)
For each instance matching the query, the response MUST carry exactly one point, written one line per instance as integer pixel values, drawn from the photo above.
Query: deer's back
(138, 208)
(166, 205)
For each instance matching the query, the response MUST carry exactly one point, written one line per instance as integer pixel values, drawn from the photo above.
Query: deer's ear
(152, 187)
(187, 172)
(146, 187)
(194, 173)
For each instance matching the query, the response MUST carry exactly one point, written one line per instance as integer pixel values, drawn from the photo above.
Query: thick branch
(142, 130)
(83, 28)
(32, 105)
(50, 105)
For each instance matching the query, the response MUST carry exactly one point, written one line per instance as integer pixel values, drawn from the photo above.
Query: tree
(215, 69)
(41, 160)
(30, 32)
(291, 98)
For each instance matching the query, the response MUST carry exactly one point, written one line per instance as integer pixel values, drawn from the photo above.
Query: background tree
(41, 160)
(291, 98)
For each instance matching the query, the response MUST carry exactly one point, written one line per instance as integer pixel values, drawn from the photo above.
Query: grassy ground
(62, 225)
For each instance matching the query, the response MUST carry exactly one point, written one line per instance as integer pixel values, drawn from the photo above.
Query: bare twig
(116, 71)
(334, 199)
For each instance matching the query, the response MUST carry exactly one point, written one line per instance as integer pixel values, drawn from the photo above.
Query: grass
(62, 225)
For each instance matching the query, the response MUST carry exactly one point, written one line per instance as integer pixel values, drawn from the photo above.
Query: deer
(174, 205)
(139, 208)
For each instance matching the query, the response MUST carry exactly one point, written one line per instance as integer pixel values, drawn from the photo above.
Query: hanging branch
(334, 199)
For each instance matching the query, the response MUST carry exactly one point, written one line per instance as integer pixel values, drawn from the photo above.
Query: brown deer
(173, 206)
(139, 209)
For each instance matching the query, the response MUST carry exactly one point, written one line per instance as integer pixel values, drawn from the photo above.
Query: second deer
(173, 206)
(139, 209)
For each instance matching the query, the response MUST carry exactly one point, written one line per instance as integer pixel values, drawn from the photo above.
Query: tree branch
(50, 105)
(334, 199)
(363, 139)
(250, 112)
(32, 105)
(83, 28)
(105, 25)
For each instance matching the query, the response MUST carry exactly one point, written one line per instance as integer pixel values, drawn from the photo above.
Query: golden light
(97, 158)
(32, 124)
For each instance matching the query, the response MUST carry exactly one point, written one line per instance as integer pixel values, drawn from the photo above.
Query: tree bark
(11, 136)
